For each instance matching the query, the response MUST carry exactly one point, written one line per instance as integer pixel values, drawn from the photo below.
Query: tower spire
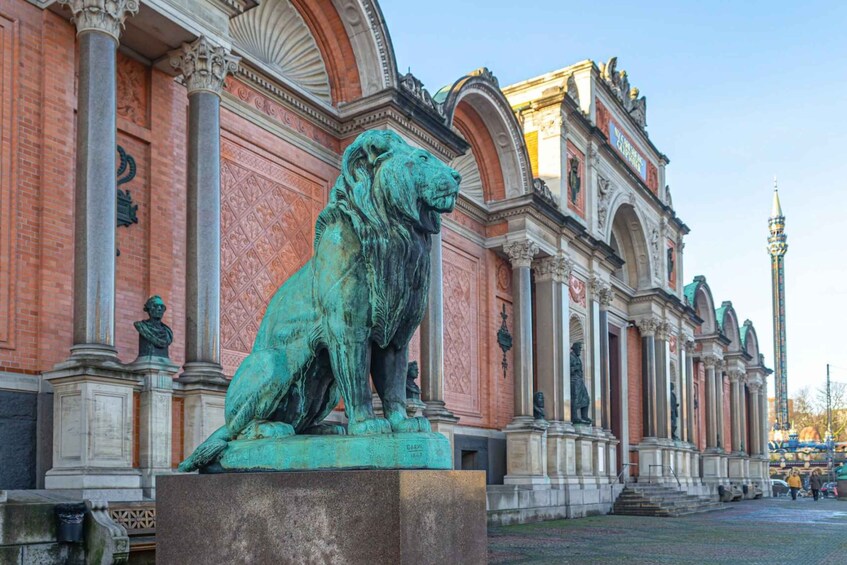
(776, 209)
(777, 247)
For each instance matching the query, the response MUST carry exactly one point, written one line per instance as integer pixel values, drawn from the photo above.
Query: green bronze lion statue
(350, 312)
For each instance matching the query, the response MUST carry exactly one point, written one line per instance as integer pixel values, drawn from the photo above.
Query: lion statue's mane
(370, 271)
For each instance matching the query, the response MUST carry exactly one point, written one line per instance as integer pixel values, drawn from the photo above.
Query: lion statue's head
(385, 181)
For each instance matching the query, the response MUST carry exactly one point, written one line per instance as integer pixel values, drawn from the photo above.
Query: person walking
(815, 483)
(794, 483)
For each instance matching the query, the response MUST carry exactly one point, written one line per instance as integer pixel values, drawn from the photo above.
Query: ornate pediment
(629, 97)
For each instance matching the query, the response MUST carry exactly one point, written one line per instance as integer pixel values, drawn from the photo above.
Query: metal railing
(663, 467)
(620, 476)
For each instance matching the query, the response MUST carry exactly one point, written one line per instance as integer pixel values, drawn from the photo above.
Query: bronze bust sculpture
(154, 336)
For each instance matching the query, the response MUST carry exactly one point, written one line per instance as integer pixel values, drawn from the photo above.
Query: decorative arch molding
(276, 34)
(483, 150)
(699, 296)
(728, 323)
(368, 34)
(750, 341)
(628, 226)
(481, 92)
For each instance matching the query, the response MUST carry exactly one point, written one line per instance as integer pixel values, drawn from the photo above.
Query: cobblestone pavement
(770, 531)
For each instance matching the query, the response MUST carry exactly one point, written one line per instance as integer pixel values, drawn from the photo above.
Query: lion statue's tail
(207, 452)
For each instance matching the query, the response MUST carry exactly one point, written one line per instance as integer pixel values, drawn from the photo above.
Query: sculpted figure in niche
(154, 337)
(674, 414)
(538, 406)
(348, 314)
(580, 401)
(670, 263)
(574, 182)
(413, 391)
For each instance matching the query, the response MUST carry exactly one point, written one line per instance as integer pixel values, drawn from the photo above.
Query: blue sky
(737, 93)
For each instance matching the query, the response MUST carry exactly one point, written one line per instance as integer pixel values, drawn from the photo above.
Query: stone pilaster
(711, 414)
(98, 24)
(690, 412)
(203, 66)
(526, 438)
(736, 398)
(663, 381)
(647, 327)
(602, 296)
(520, 255)
(552, 329)
(432, 350)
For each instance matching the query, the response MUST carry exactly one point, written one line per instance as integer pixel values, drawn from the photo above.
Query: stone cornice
(104, 16)
(203, 65)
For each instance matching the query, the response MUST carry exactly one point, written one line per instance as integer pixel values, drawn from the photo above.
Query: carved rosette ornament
(105, 16)
(203, 65)
(521, 252)
(556, 268)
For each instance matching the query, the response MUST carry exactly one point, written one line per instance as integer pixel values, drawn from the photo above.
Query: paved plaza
(772, 531)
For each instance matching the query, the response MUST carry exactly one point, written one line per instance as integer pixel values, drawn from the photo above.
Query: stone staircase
(646, 499)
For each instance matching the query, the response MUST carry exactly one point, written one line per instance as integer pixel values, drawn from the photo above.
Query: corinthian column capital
(557, 268)
(710, 361)
(602, 291)
(521, 252)
(105, 16)
(647, 326)
(203, 65)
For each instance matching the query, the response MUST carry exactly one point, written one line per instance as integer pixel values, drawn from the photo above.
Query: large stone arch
(699, 296)
(298, 41)
(750, 341)
(476, 107)
(728, 323)
(627, 236)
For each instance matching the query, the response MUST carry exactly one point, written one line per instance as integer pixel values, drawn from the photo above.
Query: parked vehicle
(779, 487)
(830, 490)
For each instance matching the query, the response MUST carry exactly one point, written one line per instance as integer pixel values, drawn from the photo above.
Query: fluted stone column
(763, 415)
(526, 447)
(92, 391)
(99, 24)
(719, 420)
(204, 66)
(755, 434)
(432, 349)
(711, 413)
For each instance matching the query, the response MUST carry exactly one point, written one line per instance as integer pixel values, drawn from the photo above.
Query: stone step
(661, 500)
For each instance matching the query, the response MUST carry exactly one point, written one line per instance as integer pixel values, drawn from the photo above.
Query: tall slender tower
(777, 247)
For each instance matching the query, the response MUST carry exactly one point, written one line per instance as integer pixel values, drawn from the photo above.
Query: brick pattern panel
(461, 331)
(634, 393)
(268, 213)
(9, 38)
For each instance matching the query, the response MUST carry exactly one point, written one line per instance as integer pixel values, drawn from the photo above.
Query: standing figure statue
(674, 414)
(580, 401)
(154, 336)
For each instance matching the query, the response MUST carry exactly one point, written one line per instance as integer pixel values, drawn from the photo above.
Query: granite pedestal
(352, 517)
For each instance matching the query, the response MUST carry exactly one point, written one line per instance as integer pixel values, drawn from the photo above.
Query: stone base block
(351, 517)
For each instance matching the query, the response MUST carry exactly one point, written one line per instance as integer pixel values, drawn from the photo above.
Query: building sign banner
(627, 150)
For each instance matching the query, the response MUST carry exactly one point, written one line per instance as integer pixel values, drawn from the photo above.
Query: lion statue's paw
(264, 429)
(416, 424)
(369, 427)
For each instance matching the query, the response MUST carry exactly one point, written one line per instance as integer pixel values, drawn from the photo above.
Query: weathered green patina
(348, 314)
